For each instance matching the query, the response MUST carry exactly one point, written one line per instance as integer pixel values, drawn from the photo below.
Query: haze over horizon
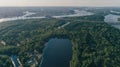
(60, 3)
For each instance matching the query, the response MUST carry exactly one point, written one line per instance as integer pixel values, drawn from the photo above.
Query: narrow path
(64, 25)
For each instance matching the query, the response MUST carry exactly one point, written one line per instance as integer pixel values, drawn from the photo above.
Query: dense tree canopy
(95, 43)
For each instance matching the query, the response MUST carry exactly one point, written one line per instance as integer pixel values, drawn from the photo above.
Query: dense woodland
(5, 61)
(118, 19)
(95, 43)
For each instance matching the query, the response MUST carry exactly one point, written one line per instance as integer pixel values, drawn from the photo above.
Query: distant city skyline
(88, 3)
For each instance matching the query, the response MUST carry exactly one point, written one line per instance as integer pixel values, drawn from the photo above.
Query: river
(57, 53)
(77, 13)
(27, 14)
(15, 61)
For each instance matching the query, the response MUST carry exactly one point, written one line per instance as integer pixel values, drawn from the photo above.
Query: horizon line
(60, 6)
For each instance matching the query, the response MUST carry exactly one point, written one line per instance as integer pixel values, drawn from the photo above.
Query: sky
(59, 2)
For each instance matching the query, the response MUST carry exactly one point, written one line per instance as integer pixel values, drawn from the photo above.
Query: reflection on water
(23, 17)
(15, 61)
(27, 15)
(77, 14)
(57, 53)
(115, 12)
(111, 18)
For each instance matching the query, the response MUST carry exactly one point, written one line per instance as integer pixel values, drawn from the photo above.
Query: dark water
(57, 53)
(14, 58)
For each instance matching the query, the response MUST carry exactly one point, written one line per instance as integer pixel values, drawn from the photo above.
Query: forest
(95, 43)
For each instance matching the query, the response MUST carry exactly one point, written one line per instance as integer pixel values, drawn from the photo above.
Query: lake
(57, 53)
(111, 18)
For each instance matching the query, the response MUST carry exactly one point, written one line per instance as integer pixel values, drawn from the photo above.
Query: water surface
(15, 61)
(111, 18)
(27, 15)
(57, 53)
